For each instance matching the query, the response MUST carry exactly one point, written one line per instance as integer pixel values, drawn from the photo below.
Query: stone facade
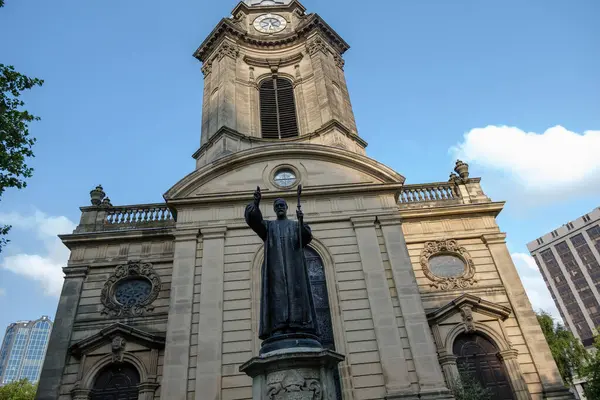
(395, 313)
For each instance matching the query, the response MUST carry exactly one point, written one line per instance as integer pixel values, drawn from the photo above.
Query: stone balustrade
(429, 192)
(138, 216)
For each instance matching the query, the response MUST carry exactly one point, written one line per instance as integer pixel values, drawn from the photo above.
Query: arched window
(277, 109)
(318, 283)
(116, 382)
(477, 356)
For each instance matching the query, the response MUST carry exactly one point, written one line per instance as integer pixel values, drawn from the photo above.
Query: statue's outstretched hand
(300, 215)
(257, 196)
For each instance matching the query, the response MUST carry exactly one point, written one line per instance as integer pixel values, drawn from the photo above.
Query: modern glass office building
(24, 349)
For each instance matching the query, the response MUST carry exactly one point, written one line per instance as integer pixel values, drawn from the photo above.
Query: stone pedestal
(293, 374)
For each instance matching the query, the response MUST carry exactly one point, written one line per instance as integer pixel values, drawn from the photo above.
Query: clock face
(270, 23)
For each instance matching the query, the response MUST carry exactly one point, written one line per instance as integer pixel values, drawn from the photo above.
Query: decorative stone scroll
(448, 280)
(118, 348)
(292, 382)
(317, 45)
(139, 299)
(227, 49)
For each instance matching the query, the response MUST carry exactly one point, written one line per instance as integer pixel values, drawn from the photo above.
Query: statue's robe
(286, 304)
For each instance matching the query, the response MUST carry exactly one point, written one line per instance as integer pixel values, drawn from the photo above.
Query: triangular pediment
(319, 169)
(117, 330)
(467, 301)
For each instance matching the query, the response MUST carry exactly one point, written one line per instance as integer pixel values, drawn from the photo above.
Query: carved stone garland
(448, 247)
(133, 269)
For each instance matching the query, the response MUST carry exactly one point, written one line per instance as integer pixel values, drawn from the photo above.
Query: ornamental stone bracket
(130, 271)
(452, 248)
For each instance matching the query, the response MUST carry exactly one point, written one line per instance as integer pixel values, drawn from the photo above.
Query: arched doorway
(318, 283)
(116, 382)
(478, 356)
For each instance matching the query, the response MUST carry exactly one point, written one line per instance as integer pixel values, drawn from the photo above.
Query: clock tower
(272, 71)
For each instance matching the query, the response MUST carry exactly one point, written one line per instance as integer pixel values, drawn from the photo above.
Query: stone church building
(412, 282)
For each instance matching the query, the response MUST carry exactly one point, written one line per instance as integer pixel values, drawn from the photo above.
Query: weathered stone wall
(101, 260)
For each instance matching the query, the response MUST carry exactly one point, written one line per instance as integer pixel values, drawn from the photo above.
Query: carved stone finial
(106, 203)
(97, 195)
(118, 348)
(462, 169)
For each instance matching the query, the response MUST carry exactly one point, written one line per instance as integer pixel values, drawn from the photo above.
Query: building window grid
(16, 355)
(8, 337)
(565, 294)
(594, 234)
(587, 258)
(34, 357)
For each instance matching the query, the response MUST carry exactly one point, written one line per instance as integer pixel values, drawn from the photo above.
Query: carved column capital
(363, 222)
(213, 232)
(75, 272)
(494, 238)
(510, 354)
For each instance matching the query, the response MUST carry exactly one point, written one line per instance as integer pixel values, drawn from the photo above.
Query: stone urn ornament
(96, 195)
(462, 169)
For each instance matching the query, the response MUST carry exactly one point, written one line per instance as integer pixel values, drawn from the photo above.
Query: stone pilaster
(550, 378)
(58, 346)
(210, 327)
(179, 326)
(425, 357)
(509, 358)
(391, 352)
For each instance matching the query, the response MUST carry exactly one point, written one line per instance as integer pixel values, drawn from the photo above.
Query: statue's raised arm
(254, 217)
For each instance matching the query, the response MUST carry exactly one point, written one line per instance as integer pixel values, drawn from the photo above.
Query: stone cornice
(332, 124)
(492, 208)
(245, 8)
(75, 239)
(334, 190)
(227, 27)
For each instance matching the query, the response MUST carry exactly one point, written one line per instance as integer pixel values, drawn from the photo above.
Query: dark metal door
(116, 382)
(318, 283)
(479, 357)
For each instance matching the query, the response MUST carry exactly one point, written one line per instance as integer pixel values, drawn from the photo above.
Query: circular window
(285, 178)
(132, 292)
(446, 266)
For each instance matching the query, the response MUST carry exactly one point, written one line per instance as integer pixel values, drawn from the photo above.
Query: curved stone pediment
(316, 166)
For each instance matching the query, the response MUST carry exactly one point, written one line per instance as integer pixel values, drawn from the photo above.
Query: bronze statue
(287, 312)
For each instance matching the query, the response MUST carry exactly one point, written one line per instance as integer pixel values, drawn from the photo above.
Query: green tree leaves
(568, 352)
(18, 390)
(15, 142)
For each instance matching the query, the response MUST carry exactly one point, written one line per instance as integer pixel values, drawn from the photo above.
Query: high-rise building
(24, 349)
(412, 283)
(569, 260)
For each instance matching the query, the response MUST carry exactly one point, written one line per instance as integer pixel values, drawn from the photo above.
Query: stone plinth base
(293, 374)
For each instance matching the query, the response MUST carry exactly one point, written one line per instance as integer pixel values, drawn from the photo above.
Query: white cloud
(557, 158)
(534, 284)
(45, 266)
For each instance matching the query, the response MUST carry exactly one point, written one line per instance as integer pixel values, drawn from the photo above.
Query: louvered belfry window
(277, 109)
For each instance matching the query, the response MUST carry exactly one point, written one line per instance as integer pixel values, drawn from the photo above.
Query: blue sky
(430, 80)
